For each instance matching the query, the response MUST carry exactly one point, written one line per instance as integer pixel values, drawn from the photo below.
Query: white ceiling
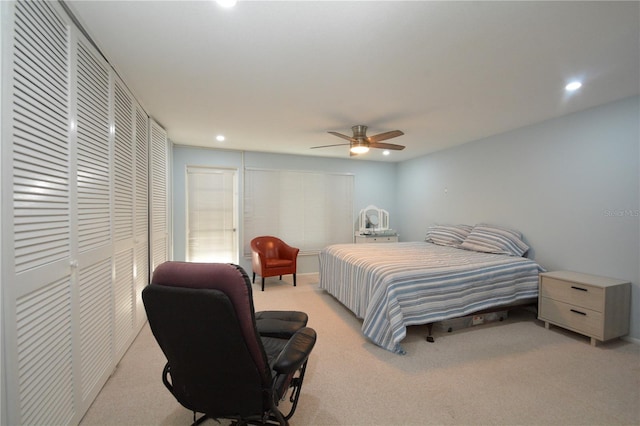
(276, 76)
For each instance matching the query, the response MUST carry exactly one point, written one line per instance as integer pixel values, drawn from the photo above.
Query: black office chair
(218, 363)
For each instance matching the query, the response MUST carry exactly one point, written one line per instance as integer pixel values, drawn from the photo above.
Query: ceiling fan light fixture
(227, 4)
(359, 149)
(360, 143)
(573, 86)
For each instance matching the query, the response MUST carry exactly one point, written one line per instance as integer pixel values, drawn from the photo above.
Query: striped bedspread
(394, 285)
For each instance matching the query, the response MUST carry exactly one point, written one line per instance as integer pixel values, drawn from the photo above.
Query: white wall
(374, 184)
(571, 185)
(4, 13)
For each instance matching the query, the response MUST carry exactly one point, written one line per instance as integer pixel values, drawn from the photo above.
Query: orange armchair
(270, 256)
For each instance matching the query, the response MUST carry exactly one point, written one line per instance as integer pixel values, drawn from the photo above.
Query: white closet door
(123, 162)
(131, 141)
(37, 263)
(74, 221)
(94, 211)
(141, 207)
(159, 195)
(123, 201)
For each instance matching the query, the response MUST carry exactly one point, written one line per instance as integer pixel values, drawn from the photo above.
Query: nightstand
(597, 307)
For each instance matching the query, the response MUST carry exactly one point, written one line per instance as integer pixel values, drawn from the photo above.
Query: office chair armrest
(280, 324)
(296, 351)
(166, 373)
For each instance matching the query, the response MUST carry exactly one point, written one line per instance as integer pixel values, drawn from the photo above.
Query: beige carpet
(509, 373)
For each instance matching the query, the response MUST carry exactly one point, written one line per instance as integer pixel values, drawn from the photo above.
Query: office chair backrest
(202, 316)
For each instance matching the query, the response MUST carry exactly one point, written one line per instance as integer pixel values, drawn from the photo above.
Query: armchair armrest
(287, 252)
(296, 351)
(258, 255)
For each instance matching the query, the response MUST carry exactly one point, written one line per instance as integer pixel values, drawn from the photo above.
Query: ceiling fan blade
(391, 146)
(340, 135)
(386, 135)
(327, 146)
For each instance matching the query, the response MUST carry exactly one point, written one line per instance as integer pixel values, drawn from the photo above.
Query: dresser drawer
(577, 294)
(585, 321)
(377, 239)
(385, 239)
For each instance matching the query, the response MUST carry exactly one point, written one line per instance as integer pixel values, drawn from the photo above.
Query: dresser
(597, 307)
(364, 239)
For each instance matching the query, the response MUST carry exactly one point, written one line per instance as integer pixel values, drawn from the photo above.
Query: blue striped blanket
(394, 285)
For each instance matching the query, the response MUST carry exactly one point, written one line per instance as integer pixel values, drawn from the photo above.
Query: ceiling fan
(360, 142)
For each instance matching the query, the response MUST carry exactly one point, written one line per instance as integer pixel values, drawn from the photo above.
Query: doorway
(212, 214)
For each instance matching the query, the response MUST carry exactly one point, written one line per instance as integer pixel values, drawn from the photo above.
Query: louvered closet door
(130, 214)
(124, 168)
(74, 217)
(94, 212)
(141, 208)
(159, 195)
(38, 291)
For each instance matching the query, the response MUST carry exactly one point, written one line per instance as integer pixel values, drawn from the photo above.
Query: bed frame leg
(430, 338)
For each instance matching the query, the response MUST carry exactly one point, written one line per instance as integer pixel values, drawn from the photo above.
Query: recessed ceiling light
(226, 3)
(220, 138)
(386, 152)
(573, 86)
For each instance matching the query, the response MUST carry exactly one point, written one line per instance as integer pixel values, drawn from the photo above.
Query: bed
(394, 285)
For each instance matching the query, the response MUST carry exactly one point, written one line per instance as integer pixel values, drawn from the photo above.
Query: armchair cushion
(277, 263)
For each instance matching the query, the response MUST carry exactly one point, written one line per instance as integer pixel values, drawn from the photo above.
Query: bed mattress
(394, 285)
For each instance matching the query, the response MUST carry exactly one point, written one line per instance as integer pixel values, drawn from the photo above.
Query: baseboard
(631, 339)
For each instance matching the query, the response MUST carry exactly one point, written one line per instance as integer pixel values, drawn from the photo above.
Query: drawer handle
(578, 312)
(579, 288)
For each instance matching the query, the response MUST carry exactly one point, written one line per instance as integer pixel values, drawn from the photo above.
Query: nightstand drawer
(583, 295)
(575, 318)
